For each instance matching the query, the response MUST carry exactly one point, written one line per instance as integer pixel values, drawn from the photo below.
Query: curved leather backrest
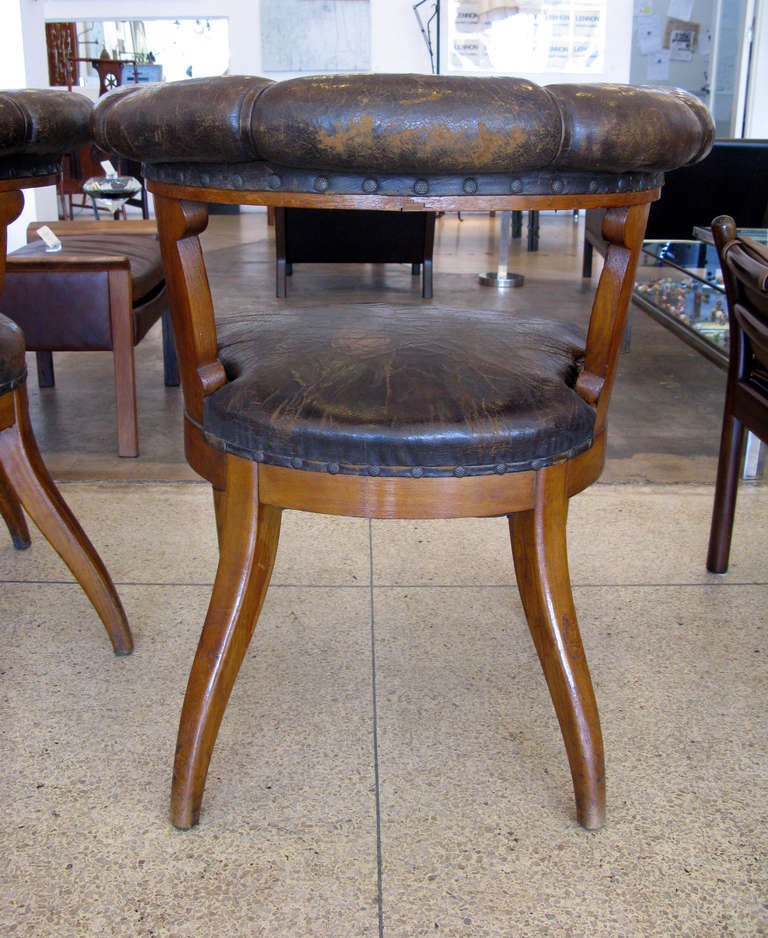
(406, 124)
(37, 126)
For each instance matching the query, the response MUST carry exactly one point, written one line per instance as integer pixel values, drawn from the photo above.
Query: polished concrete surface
(390, 764)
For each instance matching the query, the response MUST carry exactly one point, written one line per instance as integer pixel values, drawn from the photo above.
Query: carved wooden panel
(61, 42)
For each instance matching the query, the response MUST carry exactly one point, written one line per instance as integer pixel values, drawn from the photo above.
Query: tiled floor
(390, 764)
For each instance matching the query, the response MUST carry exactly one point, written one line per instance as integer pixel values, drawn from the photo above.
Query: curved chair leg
(37, 492)
(726, 489)
(13, 514)
(541, 566)
(248, 546)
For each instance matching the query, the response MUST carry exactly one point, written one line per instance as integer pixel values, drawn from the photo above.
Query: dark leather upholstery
(406, 124)
(375, 390)
(13, 370)
(37, 126)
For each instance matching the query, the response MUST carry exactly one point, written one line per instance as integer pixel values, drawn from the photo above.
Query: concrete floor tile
(287, 844)
(659, 534)
(477, 829)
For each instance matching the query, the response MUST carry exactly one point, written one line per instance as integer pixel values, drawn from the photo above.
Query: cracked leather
(406, 124)
(380, 390)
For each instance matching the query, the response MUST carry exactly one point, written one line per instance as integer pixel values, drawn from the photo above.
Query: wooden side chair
(35, 128)
(384, 412)
(745, 274)
(103, 291)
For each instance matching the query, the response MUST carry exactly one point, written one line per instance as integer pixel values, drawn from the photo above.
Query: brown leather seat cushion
(13, 369)
(371, 389)
(142, 252)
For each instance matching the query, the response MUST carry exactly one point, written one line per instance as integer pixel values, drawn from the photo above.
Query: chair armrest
(63, 228)
(66, 263)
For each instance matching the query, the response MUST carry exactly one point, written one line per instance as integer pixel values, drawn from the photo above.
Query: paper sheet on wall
(643, 8)
(680, 9)
(658, 65)
(648, 34)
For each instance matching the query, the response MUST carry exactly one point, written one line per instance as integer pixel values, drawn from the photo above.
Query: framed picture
(681, 38)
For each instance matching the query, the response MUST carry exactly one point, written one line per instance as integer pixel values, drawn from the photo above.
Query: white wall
(23, 65)
(396, 42)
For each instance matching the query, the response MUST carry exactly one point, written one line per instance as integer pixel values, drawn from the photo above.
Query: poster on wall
(525, 36)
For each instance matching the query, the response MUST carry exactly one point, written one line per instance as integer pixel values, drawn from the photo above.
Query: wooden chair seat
(102, 291)
(36, 127)
(386, 413)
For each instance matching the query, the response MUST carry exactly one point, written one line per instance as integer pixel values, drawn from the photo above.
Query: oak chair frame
(249, 497)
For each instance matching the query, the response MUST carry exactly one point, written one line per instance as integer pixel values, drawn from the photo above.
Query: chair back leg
(33, 488)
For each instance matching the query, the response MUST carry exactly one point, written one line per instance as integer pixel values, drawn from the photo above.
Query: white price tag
(52, 243)
(108, 168)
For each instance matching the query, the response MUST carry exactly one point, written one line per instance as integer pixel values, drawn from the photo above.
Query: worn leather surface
(70, 310)
(37, 126)
(406, 124)
(206, 119)
(372, 389)
(13, 369)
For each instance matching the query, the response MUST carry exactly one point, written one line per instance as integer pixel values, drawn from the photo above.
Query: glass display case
(679, 284)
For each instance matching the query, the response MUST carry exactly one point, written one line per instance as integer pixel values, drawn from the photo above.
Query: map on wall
(316, 36)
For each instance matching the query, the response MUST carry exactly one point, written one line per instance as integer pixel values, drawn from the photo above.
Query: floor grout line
(376, 775)
(194, 584)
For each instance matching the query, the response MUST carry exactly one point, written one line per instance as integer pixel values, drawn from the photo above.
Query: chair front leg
(541, 565)
(249, 537)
